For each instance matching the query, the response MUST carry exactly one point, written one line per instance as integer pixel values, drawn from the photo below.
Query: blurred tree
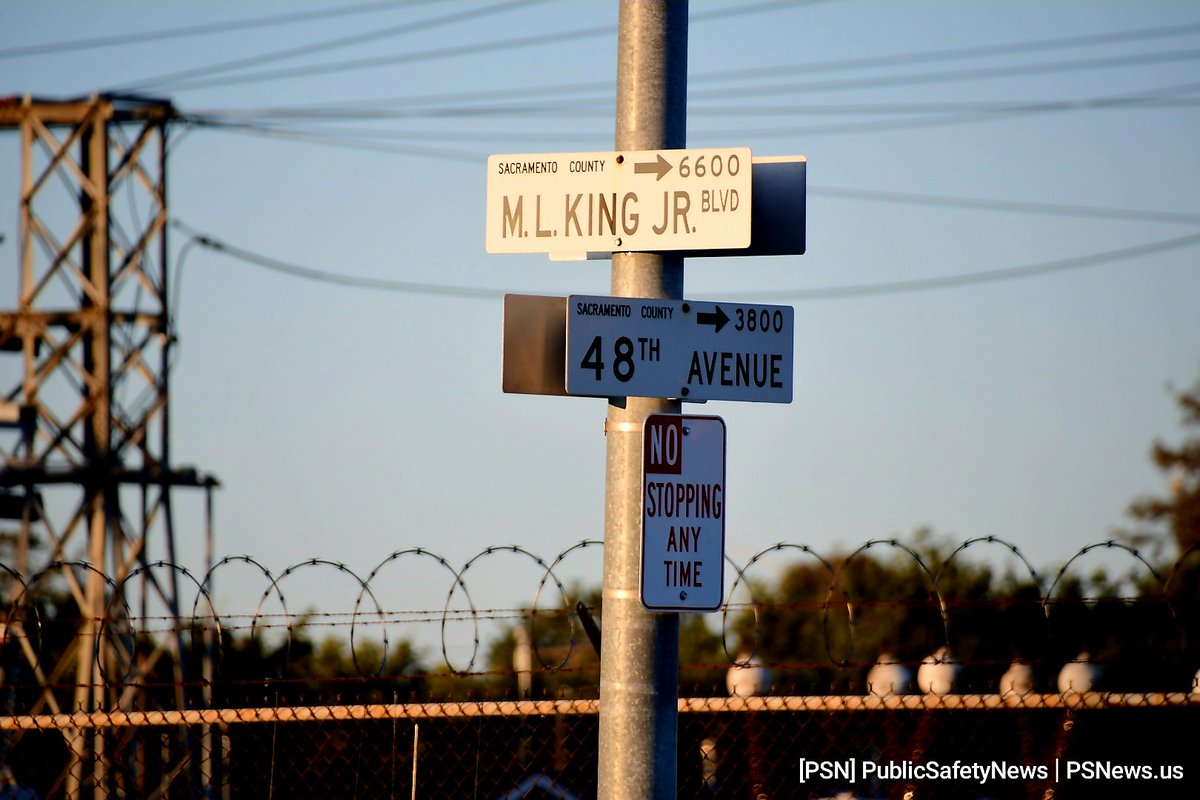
(1180, 511)
(821, 630)
(566, 665)
(563, 663)
(702, 659)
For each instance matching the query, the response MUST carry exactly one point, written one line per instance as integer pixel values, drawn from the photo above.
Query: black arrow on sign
(716, 318)
(662, 167)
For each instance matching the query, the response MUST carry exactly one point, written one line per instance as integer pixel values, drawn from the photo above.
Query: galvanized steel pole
(639, 665)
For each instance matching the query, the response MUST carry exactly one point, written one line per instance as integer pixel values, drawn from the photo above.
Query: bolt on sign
(647, 200)
(683, 513)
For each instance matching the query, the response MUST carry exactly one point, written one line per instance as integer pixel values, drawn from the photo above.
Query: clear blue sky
(346, 423)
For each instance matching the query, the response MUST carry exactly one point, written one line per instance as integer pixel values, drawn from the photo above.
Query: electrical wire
(928, 110)
(328, 136)
(977, 278)
(335, 134)
(326, 276)
(145, 37)
(496, 45)
(701, 78)
(386, 141)
(929, 114)
(604, 108)
(981, 73)
(1024, 207)
(937, 120)
(1157, 97)
(168, 79)
(826, 293)
(956, 53)
(907, 198)
(348, 144)
(935, 116)
(438, 53)
(1001, 107)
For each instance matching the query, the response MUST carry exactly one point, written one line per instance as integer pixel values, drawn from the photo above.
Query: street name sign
(634, 201)
(683, 513)
(688, 349)
(777, 213)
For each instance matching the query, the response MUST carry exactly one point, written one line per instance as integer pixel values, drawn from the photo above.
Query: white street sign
(777, 211)
(683, 513)
(688, 349)
(648, 200)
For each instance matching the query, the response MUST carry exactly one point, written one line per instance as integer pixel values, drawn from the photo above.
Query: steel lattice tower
(85, 467)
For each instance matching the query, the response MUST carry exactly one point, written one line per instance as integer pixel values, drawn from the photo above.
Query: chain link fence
(953, 746)
(922, 677)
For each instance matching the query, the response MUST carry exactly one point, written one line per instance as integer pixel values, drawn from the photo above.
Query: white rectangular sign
(688, 349)
(648, 201)
(777, 225)
(683, 513)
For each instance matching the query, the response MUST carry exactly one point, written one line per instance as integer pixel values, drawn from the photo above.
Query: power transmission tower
(85, 468)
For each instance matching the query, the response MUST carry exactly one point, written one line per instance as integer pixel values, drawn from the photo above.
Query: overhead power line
(700, 78)
(507, 43)
(906, 198)
(325, 139)
(956, 53)
(147, 37)
(826, 293)
(1161, 98)
(930, 115)
(604, 108)
(169, 78)
(888, 125)
(326, 276)
(1001, 108)
(1004, 71)
(1024, 207)
(985, 276)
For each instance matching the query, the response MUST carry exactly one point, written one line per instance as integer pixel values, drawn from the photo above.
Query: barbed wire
(245, 698)
(23, 618)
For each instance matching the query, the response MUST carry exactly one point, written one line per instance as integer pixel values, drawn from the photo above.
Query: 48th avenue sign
(656, 200)
(690, 349)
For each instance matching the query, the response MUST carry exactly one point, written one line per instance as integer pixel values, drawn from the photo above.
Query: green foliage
(1180, 511)
(822, 628)
(702, 658)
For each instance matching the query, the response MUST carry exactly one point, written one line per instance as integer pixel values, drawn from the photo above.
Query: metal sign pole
(640, 650)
